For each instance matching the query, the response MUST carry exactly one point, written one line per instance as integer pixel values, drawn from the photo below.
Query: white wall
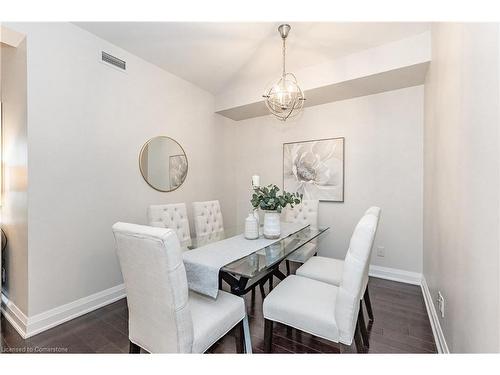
(14, 210)
(86, 125)
(226, 171)
(462, 183)
(498, 108)
(383, 166)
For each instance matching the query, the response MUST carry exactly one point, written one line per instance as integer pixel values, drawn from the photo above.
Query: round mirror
(163, 163)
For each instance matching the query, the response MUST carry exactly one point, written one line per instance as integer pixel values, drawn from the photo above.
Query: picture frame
(315, 168)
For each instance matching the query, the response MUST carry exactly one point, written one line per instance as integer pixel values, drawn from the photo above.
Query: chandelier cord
(284, 71)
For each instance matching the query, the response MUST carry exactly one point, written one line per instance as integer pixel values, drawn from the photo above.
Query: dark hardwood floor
(401, 326)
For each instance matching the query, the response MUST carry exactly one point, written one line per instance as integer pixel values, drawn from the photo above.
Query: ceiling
(212, 55)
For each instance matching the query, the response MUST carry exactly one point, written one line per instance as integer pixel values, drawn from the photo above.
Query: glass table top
(258, 262)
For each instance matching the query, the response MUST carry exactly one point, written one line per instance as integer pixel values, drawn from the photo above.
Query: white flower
(310, 167)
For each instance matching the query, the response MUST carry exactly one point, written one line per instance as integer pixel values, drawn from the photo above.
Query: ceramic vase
(251, 227)
(272, 228)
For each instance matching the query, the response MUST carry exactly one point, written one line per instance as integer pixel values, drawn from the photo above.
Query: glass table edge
(233, 272)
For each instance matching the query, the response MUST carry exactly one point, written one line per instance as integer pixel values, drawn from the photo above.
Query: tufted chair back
(156, 286)
(208, 222)
(304, 213)
(349, 293)
(173, 216)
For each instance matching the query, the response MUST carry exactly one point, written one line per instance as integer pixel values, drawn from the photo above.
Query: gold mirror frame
(143, 148)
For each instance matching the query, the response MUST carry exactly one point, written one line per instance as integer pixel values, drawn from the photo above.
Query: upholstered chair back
(348, 296)
(173, 216)
(375, 211)
(208, 222)
(156, 287)
(304, 213)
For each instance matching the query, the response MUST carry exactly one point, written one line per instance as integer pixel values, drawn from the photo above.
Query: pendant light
(284, 98)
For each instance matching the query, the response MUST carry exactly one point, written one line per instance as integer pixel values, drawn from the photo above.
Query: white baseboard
(437, 331)
(14, 316)
(30, 326)
(394, 274)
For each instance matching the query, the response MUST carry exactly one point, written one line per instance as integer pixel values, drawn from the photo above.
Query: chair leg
(239, 337)
(133, 348)
(271, 283)
(287, 267)
(362, 326)
(368, 304)
(358, 340)
(247, 337)
(268, 335)
(253, 293)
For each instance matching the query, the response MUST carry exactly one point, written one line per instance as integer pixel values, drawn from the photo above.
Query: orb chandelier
(284, 98)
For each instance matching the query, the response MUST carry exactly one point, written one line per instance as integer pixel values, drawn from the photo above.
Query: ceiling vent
(115, 61)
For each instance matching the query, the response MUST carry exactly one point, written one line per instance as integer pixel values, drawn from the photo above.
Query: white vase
(272, 228)
(251, 227)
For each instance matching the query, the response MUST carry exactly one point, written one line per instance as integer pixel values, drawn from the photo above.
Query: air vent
(115, 61)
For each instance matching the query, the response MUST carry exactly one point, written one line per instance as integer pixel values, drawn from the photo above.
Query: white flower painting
(315, 169)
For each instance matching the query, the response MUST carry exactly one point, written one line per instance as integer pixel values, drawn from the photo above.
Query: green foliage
(267, 198)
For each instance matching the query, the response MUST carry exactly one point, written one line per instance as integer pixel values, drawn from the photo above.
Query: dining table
(243, 263)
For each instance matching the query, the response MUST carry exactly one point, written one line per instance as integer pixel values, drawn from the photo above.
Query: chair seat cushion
(304, 253)
(327, 270)
(213, 318)
(305, 304)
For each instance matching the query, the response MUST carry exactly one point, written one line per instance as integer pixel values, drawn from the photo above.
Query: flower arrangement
(267, 198)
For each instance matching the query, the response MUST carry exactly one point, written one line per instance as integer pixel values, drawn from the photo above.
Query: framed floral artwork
(315, 168)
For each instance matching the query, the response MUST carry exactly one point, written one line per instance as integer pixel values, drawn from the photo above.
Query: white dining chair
(330, 271)
(208, 222)
(173, 216)
(164, 316)
(304, 213)
(321, 309)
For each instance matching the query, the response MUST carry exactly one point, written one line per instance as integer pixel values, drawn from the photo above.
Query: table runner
(203, 264)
